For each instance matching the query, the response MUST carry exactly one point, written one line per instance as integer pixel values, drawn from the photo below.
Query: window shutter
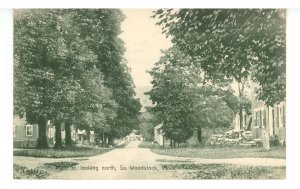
(260, 121)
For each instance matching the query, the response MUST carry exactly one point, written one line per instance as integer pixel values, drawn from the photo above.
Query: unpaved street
(132, 162)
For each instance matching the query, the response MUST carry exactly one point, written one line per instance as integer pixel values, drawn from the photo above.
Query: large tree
(69, 67)
(184, 101)
(104, 24)
(47, 44)
(147, 121)
(102, 107)
(234, 43)
(34, 71)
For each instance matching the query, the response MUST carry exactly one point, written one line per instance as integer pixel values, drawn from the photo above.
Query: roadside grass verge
(59, 166)
(226, 171)
(208, 152)
(65, 152)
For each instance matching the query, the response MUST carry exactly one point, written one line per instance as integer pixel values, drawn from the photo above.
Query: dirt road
(132, 162)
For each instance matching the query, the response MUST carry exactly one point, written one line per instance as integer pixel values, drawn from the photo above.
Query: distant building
(271, 119)
(134, 136)
(268, 118)
(247, 121)
(159, 135)
(26, 135)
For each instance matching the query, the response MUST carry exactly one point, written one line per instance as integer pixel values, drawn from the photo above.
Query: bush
(274, 140)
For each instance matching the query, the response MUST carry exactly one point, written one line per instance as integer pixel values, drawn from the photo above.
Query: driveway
(132, 162)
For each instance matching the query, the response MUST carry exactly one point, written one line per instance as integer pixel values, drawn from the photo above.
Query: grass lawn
(67, 152)
(41, 172)
(225, 171)
(22, 172)
(64, 152)
(218, 152)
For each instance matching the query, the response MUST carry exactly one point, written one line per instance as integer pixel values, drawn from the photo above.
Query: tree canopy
(69, 66)
(182, 100)
(233, 43)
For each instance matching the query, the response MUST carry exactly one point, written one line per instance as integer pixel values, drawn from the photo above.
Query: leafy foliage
(233, 43)
(69, 66)
(148, 119)
(184, 100)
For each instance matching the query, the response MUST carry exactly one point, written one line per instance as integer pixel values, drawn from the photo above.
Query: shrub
(274, 140)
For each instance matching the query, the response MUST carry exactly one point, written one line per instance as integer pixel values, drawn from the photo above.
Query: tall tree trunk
(88, 136)
(199, 135)
(241, 87)
(42, 138)
(249, 124)
(103, 139)
(241, 116)
(110, 141)
(106, 141)
(171, 143)
(58, 140)
(68, 133)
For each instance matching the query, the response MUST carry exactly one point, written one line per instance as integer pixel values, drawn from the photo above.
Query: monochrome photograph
(163, 94)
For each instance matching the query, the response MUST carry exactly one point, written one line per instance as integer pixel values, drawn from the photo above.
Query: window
(29, 130)
(260, 117)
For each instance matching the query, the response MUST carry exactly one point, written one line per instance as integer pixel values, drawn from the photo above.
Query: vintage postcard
(101, 94)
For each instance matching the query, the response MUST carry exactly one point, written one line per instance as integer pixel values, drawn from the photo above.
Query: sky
(143, 42)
